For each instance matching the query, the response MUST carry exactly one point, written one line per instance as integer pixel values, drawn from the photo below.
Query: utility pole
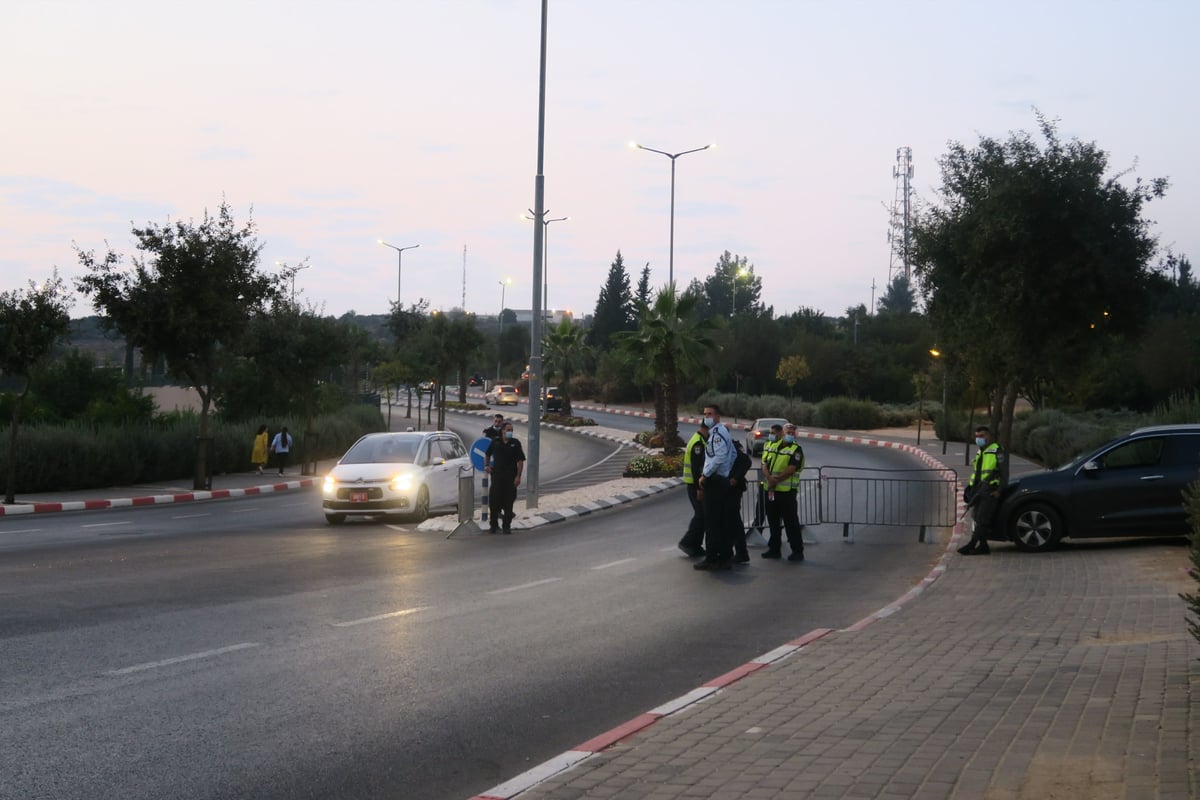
(900, 224)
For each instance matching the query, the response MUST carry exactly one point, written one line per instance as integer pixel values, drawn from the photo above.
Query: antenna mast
(899, 226)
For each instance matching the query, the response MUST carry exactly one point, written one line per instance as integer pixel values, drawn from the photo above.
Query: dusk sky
(416, 122)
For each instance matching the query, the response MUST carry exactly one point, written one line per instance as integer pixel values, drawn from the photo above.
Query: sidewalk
(1063, 675)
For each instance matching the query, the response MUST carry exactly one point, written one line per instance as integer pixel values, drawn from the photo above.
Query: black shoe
(691, 551)
(493, 530)
(705, 565)
(508, 530)
(967, 549)
(741, 558)
(983, 550)
(796, 557)
(772, 554)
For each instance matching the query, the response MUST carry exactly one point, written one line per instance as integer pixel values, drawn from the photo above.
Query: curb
(570, 758)
(154, 499)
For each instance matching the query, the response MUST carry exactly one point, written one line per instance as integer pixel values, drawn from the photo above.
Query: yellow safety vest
(775, 459)
(687, 457)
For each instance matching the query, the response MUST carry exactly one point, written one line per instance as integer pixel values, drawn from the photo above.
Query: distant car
(475, 380)
(425, 387)
(395, 474)
(501, 396)
(756, 437)
(1132, 486)
(552, 398)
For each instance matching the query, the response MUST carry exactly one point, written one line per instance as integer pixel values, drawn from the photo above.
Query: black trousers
(985, 519)
(736, 527)
(501, 495)
(782, 512)
(695, 529)
(718, 543)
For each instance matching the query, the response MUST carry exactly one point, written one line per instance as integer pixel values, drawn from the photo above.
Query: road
(256, 653)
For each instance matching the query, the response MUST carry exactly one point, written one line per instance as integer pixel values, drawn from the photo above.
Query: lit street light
(399, 266)
(545, 258)
(733, 282)
(672, 156)
(945, 420)
(499, 341)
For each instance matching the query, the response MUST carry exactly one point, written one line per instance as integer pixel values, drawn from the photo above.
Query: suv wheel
(1036, 528)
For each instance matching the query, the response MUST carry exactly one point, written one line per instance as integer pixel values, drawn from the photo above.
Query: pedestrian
(495, 430)
(782, 462)
(281, 446)
(714, 483)
(692, 543)
(983, 491)
(504, 461)
(258, 453)
(737, 489)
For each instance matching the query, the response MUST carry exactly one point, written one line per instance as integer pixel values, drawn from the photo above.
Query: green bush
(654, 467)
(848, 414)
(584, 387)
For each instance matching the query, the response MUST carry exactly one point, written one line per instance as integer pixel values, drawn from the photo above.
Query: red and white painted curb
(576, 755)
(154, 499)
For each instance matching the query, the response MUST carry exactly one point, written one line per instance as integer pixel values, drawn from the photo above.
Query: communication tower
(900, 262)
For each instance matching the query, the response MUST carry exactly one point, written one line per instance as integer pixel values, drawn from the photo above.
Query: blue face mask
(709, 422)
(980, 441)
(770, 437)
(789, 438)
(508, 434)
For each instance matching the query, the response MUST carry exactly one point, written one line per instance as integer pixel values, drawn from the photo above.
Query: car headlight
(402, 483)
(330, 483)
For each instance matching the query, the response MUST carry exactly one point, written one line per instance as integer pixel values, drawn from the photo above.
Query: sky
(334, 125)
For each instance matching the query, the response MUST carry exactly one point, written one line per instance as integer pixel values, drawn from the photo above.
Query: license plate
(358, 497)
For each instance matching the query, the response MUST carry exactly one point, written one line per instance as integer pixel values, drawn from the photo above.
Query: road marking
(106, 524)
(378, 617)
(524, 586)
(181, 659)
(615, 563)
(398, 528)
(243, 510)
(608, 457)
(23, 530)
(190, 516)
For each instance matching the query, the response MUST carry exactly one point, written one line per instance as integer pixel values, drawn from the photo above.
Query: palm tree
(674, 342)
(566, 349)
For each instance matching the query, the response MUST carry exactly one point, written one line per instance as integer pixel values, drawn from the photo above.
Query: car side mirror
(1091, 466)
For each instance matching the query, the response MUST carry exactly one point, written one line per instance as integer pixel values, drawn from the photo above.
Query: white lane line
(614, 563)
(378, 617)
(181, 659)
(22, 530)
(243, 510)
(524, 586)
(398, 528)
(106, 524)
(190, 516)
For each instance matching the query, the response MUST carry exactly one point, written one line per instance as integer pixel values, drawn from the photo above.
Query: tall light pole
(291, 273)
(545, 257)
(672, 156)
(733, 283)
(499, 341)
(399, 266)
(533, 459)
(945, 420)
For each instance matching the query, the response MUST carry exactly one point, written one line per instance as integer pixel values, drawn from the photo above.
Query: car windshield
(398, 449)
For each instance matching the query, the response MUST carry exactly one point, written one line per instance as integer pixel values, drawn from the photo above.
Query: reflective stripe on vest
(775, 458)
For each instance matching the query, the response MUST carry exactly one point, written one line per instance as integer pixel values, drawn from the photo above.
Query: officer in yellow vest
(782, 461)
(983, 491)
(692, 543)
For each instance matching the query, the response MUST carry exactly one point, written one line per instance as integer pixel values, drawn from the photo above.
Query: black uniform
(492, 432)
(692, 542)
(737, 488)
(506, 457)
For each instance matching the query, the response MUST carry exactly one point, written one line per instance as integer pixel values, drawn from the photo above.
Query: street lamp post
(399, 266)
(545, 258)
(672, 156)
(500, 340)
(945, 419)
(733, 284)
(291, 273)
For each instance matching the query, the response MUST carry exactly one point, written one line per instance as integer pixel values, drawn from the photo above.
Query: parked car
(1132, 486)
(552, 399)
(501, 396)
(394, 474)
(756, 437)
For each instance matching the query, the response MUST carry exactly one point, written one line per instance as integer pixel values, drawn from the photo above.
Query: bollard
(466, 501)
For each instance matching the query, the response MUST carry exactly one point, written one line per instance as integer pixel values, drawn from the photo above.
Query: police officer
(714, 482)
(692, 543)
(983, 491)
(782, 461)
(495, 430)
(504, 461)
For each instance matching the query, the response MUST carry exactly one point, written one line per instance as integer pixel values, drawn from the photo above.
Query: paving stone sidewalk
(1062, 675)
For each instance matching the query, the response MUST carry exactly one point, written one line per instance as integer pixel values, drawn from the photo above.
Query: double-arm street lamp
(545, 258)
(291, 273)
(672, 156)
(399, 266)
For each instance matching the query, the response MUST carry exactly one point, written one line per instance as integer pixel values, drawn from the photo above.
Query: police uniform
(989, 476)
(692, 542)
(506, 457)
(782, 510)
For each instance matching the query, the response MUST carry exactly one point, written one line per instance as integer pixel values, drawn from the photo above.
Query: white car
(395, 474)
(501, 396)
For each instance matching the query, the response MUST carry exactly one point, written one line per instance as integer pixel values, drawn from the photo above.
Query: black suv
(552, 399)
(1132, 486)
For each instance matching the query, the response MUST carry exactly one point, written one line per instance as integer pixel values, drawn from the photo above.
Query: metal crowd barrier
(922, 498)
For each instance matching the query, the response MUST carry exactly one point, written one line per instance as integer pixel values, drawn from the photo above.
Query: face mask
(709, 422)
(789, 438)
(770, 437)
(980, 441)
(508, 434)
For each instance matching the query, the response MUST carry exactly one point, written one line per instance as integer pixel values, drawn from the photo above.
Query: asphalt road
(256, 653)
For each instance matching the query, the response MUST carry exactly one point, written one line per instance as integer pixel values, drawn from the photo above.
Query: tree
(900, 297)
(1031, 260)
(614, 307)
(642, 296)
(189, 299)
(792, 370)
(673, 341)
(31, 323)
(566, 351)
(733, 287)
